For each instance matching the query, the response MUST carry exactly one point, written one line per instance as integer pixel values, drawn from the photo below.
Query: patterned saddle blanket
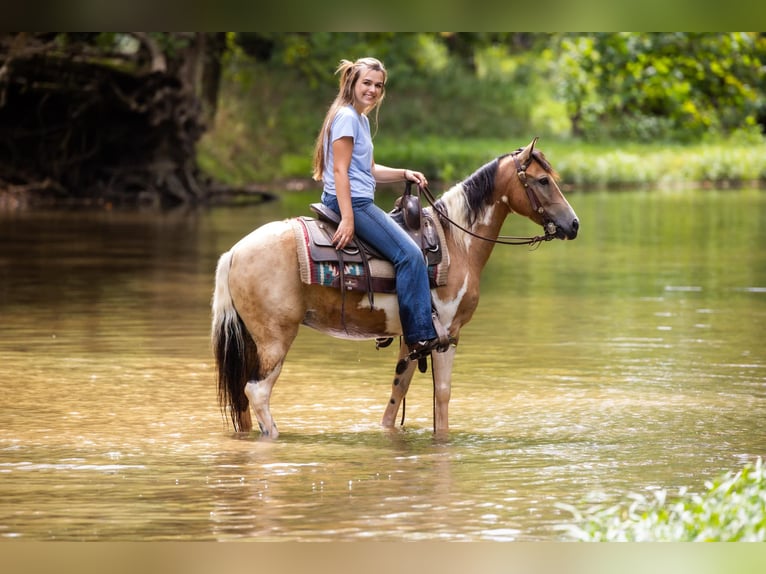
(359, 267)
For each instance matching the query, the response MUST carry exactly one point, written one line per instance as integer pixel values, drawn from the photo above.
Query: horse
(259, 301)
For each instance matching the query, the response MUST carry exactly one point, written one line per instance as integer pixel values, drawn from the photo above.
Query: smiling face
(368, 90)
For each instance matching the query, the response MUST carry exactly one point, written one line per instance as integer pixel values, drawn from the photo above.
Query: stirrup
(419, 352)
(383, 342)
(440, 343)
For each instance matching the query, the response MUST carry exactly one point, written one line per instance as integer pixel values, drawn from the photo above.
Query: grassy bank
(581, 165)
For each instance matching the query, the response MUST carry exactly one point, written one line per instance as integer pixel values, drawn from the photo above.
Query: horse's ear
(526, 153)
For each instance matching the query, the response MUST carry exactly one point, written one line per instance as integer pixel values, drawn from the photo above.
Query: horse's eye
(544, 180)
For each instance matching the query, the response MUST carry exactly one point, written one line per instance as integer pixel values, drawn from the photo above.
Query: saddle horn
(410, 206)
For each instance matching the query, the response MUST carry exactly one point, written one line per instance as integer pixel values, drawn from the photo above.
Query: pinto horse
(260, 302)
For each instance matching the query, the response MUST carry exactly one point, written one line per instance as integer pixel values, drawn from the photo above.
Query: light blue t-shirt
(348, 122)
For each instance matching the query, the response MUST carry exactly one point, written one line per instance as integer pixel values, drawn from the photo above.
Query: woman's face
(368, 89)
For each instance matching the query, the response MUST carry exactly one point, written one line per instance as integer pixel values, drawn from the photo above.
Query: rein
(501, 239)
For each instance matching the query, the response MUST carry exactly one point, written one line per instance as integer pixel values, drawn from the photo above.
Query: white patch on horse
(455, 202)
(488, 215)
(448, 309)
(389, 304)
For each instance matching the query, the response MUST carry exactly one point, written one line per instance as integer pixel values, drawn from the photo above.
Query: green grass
(581, 165)
(585, 165)
(733, 508)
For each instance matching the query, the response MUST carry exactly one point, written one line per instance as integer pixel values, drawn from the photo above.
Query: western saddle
(409, 214)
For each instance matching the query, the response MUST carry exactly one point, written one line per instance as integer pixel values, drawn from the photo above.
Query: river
(628, 360)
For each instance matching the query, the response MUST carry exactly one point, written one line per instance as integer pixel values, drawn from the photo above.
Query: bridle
(521, 173)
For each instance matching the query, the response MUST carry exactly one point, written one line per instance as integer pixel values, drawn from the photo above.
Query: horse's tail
(235, 352)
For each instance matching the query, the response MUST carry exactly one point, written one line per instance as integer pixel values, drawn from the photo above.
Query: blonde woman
(343, 161)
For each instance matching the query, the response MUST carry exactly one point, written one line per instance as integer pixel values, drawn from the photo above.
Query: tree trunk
(83, 124)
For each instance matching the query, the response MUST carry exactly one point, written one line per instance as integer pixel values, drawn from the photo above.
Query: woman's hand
(344, 234)
(416, 177)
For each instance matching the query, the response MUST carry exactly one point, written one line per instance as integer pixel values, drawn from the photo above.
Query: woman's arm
(341, 151)
(383, 174)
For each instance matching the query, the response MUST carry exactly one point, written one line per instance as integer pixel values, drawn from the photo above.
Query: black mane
(478, 189)
(478, 186)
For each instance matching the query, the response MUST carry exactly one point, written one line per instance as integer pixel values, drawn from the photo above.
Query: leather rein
(521, 173)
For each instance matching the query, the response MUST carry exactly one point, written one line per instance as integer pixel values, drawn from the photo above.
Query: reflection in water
(630, 359)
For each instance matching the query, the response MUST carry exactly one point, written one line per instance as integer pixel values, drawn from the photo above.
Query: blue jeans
(376, 227)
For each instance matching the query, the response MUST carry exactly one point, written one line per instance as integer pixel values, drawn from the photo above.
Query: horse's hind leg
(259, 395)
(398, 391)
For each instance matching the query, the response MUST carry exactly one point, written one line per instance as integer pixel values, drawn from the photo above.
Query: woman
(343, 161)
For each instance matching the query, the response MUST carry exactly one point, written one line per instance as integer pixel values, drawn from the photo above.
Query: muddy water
(628, 360)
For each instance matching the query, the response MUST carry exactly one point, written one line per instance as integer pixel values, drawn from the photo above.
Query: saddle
(359, 266)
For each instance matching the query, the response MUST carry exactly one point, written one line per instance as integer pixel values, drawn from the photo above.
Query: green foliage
(645, 86)
(268, 115)
(732, 509)
(264, 114)
(587, 95)
(314, 56)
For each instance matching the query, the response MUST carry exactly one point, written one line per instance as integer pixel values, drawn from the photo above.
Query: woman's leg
(376, 227)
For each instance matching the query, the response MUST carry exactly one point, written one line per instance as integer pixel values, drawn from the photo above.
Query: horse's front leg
(398, 390)
(442, 372)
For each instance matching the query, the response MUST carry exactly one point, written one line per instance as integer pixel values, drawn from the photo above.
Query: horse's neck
(487, 225)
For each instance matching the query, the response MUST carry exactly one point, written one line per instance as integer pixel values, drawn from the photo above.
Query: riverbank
(581, 166)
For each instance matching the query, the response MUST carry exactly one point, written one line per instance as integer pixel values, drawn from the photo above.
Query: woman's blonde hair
(349, 74)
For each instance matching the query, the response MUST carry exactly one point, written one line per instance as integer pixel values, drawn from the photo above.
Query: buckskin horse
(260, 300)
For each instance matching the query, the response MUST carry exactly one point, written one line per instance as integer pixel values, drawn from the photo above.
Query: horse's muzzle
(567, 231)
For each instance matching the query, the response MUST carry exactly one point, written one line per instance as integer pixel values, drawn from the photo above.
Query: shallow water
(628, 360)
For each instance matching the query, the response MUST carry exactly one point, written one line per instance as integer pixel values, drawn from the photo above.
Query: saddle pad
(327, 273)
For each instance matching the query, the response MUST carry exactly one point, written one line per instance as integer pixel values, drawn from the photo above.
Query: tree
(650, 85)
(107, 117)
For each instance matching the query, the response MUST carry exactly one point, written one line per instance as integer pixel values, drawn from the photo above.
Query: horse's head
(532, 191)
